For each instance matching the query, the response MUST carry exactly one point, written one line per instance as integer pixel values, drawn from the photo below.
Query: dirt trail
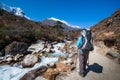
(100, 68)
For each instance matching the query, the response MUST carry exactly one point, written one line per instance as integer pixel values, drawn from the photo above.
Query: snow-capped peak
(54, 21)
(63, 21)
(15, 10)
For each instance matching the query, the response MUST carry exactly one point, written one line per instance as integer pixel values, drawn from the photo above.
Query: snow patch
(63, 21)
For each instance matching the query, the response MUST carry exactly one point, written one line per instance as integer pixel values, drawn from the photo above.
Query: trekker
(85, 45)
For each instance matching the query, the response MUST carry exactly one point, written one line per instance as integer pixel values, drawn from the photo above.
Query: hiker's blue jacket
(79, 42)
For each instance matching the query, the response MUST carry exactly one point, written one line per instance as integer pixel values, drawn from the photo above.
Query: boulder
(51, 74)
(37, 47)
(16, 48)
(30, 60)
(31, 75)
(61, 67)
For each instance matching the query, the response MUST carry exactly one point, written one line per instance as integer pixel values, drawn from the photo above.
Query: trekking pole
(88, 61)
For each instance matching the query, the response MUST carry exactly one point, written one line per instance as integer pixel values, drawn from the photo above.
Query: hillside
(108, 31)
(15, 28)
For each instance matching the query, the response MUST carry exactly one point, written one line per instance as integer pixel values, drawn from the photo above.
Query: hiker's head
(85, 30)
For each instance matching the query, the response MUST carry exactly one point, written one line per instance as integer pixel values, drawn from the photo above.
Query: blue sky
(83, 13)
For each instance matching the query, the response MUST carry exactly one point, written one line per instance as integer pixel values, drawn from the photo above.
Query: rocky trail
(100, 68)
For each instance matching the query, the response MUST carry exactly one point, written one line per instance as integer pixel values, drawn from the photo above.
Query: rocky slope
(108, 31)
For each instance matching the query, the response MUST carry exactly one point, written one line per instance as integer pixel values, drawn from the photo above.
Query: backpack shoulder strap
(83, 41)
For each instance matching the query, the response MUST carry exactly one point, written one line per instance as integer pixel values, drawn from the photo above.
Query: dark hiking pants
(83, 57)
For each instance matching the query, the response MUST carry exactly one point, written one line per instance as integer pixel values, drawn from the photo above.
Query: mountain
(15, 10)
(16, 28)
(59, 23)
(108, 30)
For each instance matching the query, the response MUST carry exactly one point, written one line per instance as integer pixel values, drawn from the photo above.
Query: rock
(72, 50)
(68, 61)
(113, 54)
(1, 58)
(16, 48)
(66, 47)
(18, 57)
(55, 42)
(51, 74)
(44, 50)
(62, 49)
(30, 60)
(51, 65)
(38, 54)
(63, 67)
(61, 58)
(62, 76)
(37, 47)
(74, 61)
(49, 46)
(48, 50)
(31, 75)
(8, 58)
(52, 50)
(40, 78)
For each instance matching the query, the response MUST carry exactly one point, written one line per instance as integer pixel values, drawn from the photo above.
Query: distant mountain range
(57, 22)
(15, 10)
(49, 21)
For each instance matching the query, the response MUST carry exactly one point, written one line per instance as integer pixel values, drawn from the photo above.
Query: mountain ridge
(15, 10)
(54, 21)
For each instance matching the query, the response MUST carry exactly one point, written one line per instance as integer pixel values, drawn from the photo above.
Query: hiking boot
(81, 74)
(84, 69)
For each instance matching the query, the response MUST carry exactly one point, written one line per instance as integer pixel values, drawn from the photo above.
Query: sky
(83, 13)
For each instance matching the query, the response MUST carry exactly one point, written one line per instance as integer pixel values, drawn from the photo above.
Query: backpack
(87, 41)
